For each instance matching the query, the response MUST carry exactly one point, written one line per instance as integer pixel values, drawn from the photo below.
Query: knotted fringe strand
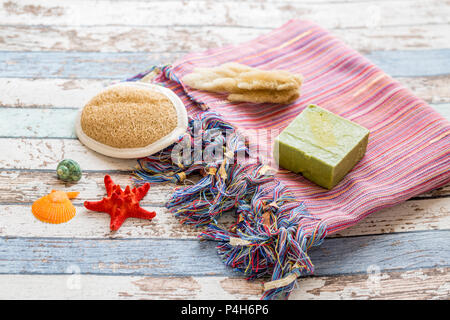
(272, 232)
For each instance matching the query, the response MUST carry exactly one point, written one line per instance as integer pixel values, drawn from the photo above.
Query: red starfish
(121, 204)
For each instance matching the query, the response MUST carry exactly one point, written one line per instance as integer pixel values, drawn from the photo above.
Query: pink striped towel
(409, 145)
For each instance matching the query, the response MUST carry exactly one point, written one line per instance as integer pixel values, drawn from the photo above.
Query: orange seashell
(55, 207)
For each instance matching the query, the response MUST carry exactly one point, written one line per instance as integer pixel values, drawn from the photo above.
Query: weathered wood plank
(185, 38)
(426, 63)
(443, 109)
(60, 123)
(414, 37)
(94, 65)
(412, 215)
(44, 154)
(421, 284)
(16, 220)
(54, 93)
(38, 123)
(430, 89)
(18, 187)
(156, 257)
(125, 287)
(74, 93)
(120, 65)
(224, 13)
(410, 250)
(126, 39)
(160, 257)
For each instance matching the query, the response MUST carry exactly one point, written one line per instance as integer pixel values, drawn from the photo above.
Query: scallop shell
(55, 207)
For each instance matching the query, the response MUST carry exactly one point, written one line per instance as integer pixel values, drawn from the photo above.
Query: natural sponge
(244, 83)
(132, 120)
(128, 117)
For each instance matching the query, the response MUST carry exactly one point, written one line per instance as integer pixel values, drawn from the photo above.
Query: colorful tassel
(269, 236)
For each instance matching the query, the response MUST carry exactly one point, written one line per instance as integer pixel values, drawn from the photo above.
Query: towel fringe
(272, 232)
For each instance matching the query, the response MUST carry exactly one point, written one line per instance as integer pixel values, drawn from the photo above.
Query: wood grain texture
(16, 220)
(399, 63)
(121, 65)
(420, 284)
(94, 65)
(25, 186)
(264, 14)
(412, 250)
(198, 38)
(18, 187)
(75, 286)
(49, 93)
(431, 89)
(74, 93)
(412, 215)
(171, 257)
(149, 257)
(38, 123)
(44, 154)
(415, 284)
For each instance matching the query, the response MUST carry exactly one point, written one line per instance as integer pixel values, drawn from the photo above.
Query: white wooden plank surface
(25, 186)
(17, 186)
(197, 38)
(43, 154)
(18, 189)
(18, 221)
(413, 215)
(59, 93)
(413, 284)
(255, 14)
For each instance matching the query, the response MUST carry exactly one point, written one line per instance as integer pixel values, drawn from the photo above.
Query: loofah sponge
(131, 120)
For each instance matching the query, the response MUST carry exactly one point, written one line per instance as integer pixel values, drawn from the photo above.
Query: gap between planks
(421, 284)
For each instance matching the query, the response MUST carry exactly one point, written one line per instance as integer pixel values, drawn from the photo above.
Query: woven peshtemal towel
(409, 143)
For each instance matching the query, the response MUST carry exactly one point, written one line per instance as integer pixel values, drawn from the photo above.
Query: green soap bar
(320, 145)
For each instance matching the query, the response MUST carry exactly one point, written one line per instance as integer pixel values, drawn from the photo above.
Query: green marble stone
(320, 145)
